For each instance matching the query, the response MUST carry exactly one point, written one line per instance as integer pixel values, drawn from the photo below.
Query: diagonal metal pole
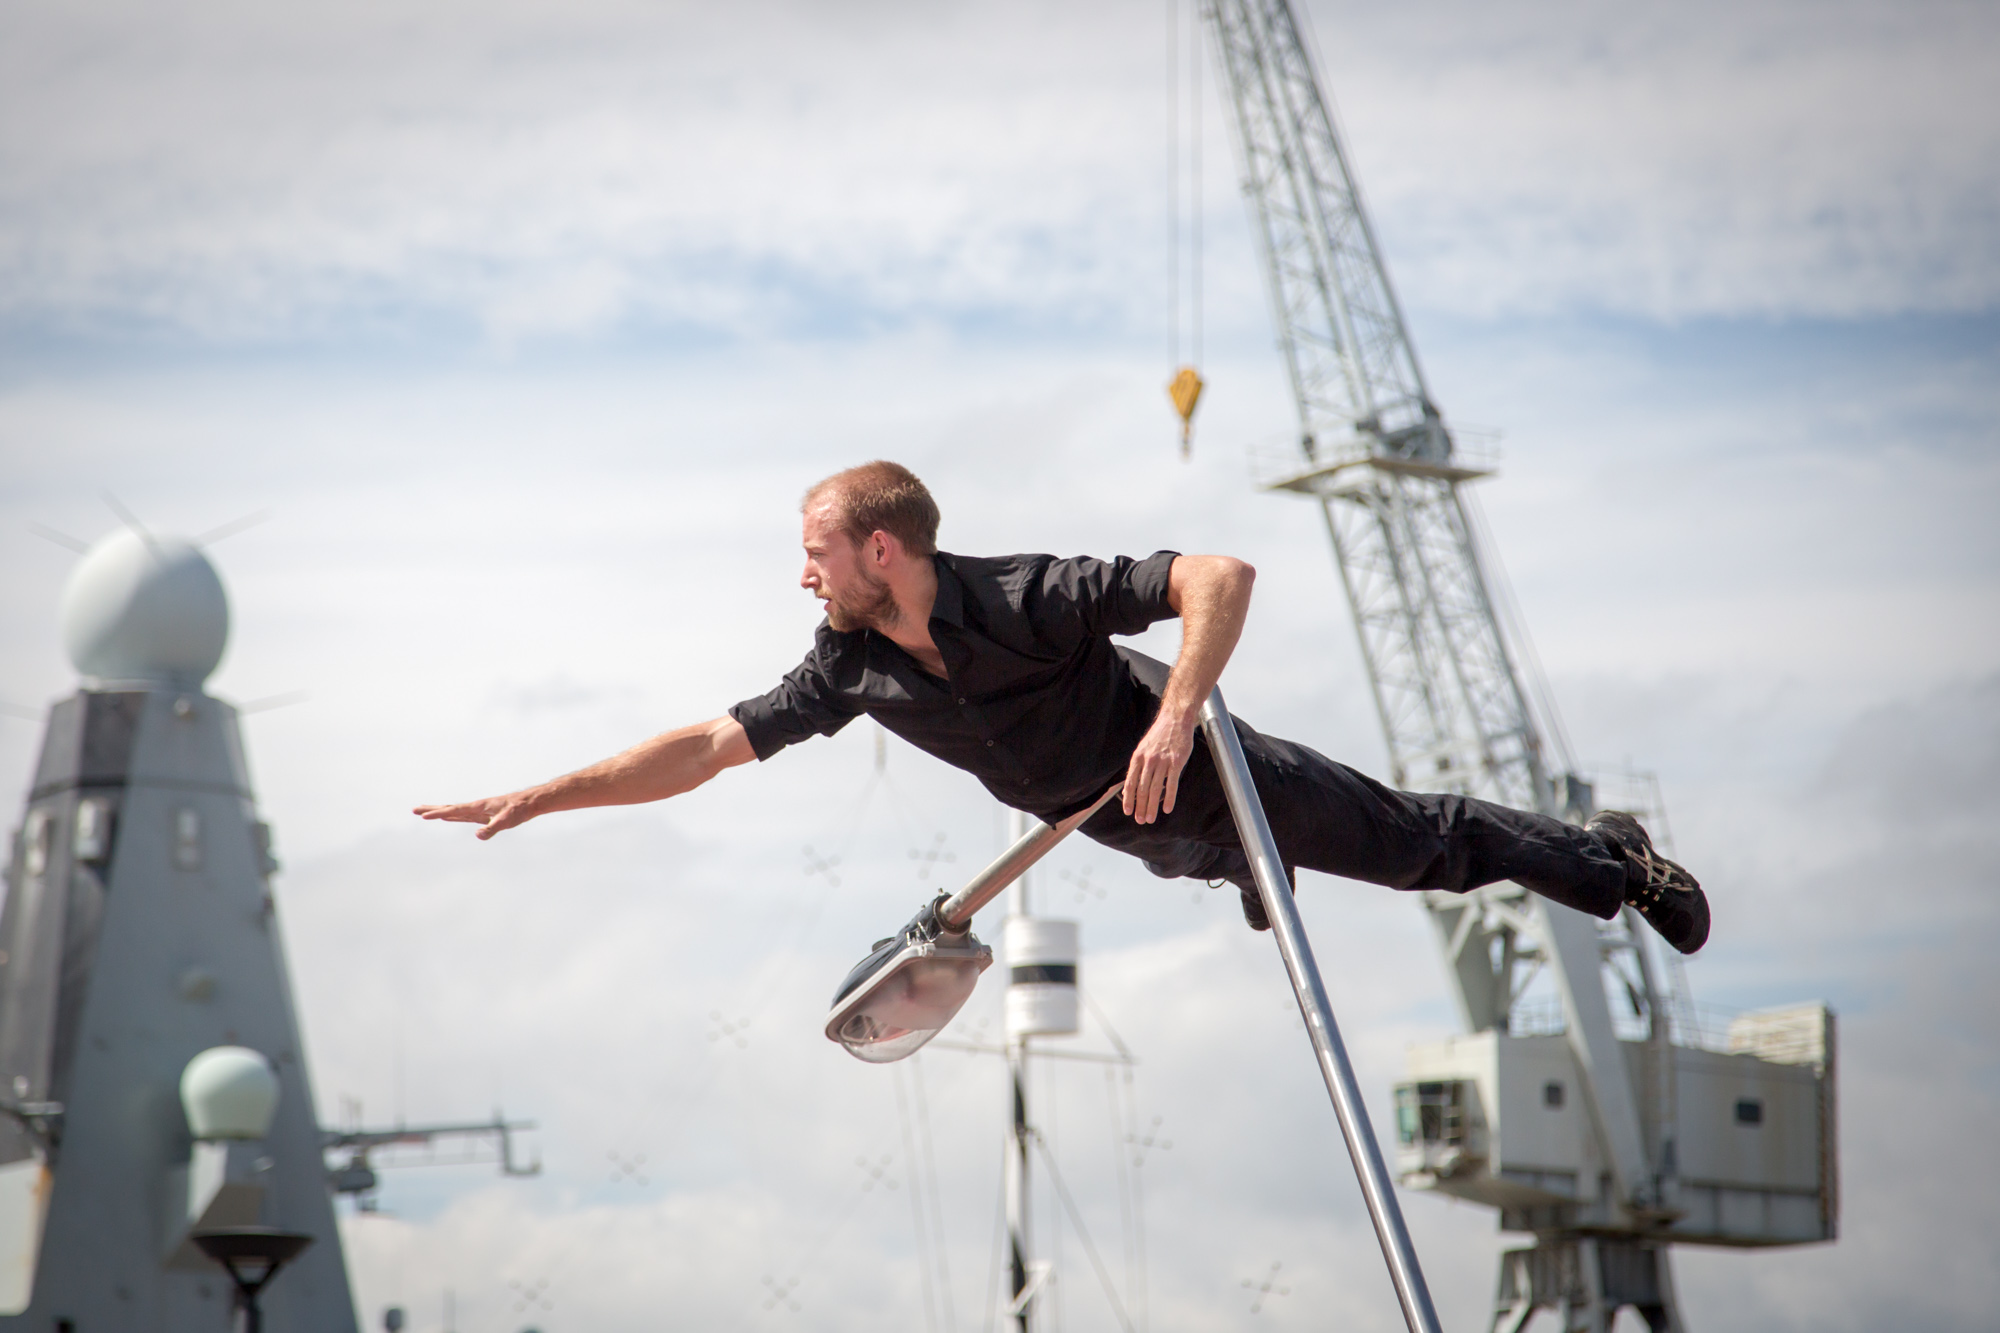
(1276, 891)
(955, 912)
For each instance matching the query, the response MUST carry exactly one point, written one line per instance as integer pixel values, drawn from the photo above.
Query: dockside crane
(1673, 1134)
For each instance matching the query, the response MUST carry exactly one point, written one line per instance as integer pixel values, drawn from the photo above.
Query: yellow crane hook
(1185, 391)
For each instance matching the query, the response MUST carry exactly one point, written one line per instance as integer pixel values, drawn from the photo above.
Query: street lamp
(253, 1256)
(913, 983)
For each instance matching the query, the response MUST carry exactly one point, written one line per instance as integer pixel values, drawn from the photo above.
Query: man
(1005, 668)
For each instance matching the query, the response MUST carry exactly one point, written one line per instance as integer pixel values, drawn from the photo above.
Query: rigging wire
(1131, 1223)
(937, 1207)
(1138, 1201)
(1124, 1181)
(1173, 183)
(999, 1234)
(669, 1111)
(1194, 156)
(919, 1231)
(1515, 626)
(1185, 385)
(1129, 1181)
(1083, 1233)
(812, 1252)
(1056, 1290)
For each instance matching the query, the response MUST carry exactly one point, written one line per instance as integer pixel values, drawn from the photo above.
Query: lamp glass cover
(913, 1002)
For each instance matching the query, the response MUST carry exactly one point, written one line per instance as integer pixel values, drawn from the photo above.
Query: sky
(527, 324)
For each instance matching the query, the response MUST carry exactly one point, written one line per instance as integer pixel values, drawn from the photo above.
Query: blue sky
(530, 322)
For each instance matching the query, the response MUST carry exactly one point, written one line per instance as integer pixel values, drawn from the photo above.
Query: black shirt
(1036, 703)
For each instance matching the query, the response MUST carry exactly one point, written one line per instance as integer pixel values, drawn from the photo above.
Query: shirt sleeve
(805, 704)
(1083, 597)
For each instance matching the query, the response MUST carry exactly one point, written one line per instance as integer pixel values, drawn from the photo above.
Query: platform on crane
(1334, 475)
(1748, 1131)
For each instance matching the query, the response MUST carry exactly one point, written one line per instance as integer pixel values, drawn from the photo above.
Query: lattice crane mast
(1377, 457)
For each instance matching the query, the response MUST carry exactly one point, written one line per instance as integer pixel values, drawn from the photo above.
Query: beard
(871, 606)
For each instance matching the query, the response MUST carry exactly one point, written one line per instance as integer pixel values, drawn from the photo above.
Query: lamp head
(907, 990)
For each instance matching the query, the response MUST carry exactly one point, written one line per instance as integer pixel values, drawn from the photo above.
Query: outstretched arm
(667, 765)
(1212, 595)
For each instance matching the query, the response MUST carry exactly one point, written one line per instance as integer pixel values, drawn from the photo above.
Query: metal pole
(957, 911)
(1024, 830)
(1276, 891)
(1020, 1266)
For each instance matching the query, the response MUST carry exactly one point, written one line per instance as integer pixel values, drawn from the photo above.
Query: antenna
(62, 539)
(232, 527)
(126, 516)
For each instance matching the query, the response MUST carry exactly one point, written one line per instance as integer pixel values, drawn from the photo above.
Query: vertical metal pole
(1020, 1302)
(1276, 891)
(1019, 1262)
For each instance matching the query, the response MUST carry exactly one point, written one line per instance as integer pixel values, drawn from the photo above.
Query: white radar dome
(142, 608)
(229, 1092)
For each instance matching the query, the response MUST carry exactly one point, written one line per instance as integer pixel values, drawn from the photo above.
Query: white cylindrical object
(1041, 977)
(229, 1092)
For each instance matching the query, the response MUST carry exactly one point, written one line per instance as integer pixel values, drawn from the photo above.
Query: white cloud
(1779, 160)
(241, 175)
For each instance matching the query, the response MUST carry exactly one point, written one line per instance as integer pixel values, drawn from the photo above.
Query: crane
(1669, 1139)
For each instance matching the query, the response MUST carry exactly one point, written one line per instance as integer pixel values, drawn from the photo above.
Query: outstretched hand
(495, 813)
(1153, 777)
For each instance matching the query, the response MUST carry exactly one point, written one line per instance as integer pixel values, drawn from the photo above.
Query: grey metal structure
(153, 1085)
(355, 1175)
(1377, 458)
(140, 932)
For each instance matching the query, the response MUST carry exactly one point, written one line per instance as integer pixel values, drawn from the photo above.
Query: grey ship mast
(154, 1095)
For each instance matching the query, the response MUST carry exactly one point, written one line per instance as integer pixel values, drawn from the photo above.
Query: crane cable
(1184, 389)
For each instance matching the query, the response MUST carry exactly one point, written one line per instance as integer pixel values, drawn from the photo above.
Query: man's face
(838, 573)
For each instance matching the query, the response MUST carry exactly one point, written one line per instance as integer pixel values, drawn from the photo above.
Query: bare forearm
(1213, 598)
(1212, 595)
(667, 765)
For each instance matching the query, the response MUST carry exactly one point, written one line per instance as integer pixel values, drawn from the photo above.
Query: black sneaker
(1666, 895)
(1253, 902)
(1254, 915)
(1253, 908)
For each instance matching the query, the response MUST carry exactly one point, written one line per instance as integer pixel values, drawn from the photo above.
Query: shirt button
(961, 703)
(989, 745)
(1024, 782)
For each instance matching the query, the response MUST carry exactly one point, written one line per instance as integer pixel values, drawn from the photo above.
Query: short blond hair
(880, 497)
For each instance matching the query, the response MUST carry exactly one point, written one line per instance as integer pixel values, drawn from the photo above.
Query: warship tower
(152, 1079)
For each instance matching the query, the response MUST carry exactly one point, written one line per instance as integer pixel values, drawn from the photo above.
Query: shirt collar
(949, 605)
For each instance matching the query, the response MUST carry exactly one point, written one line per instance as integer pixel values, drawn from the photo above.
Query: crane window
(1431, 1112)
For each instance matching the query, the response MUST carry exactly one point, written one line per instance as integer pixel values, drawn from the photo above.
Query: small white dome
(144, 609)
(229, 1092)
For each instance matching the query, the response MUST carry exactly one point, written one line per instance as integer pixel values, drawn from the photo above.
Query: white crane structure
(1665, 1139)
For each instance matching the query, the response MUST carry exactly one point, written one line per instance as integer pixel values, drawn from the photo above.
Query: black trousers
(1329, 818)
